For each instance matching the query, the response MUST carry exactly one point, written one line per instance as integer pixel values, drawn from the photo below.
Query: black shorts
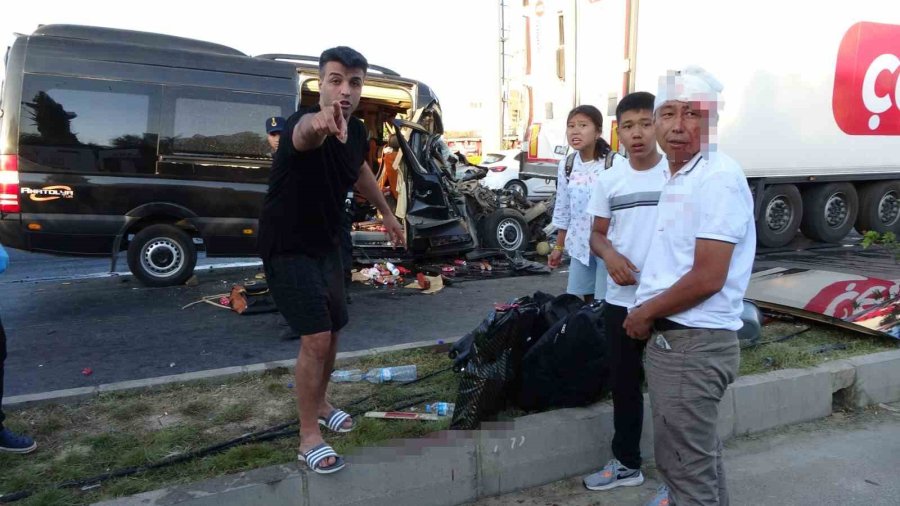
(308, 291)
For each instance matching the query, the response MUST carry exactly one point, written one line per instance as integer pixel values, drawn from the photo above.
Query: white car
(504, 173)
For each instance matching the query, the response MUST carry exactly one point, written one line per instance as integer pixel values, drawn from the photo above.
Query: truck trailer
(812, 95)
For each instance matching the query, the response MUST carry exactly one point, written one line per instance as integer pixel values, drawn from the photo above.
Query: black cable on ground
(776, 339)
(128, 471)
(427, 376)
(268, 434)
(408, 402)
(774, 315)
(16, 496)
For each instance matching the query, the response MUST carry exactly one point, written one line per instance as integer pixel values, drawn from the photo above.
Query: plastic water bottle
(400, 374)
(392, 268)
(440, 408)
(347, 376)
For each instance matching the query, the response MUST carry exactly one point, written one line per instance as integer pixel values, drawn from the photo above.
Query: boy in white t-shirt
(623, 204)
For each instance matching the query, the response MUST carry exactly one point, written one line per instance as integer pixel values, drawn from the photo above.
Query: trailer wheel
(830, 211)
(162, 255)
(879, 207)
(780, 215)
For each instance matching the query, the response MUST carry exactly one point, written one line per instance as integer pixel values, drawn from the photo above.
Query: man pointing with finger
(299, 237)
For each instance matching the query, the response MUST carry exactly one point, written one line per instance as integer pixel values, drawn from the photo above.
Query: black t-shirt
(303, 208)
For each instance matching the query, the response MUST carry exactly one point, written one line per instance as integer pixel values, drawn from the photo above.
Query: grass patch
(50, 498)
(234, 413)
(200, 408)
(129, 409)
(123, 429)
(246, 457)
(816, 346)
(52, 422)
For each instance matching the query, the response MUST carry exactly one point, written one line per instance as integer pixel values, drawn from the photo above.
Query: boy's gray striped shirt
(636, 199)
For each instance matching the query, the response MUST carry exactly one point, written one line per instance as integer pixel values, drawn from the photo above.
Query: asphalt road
(65, 314)
(25, 266)
(123, 331)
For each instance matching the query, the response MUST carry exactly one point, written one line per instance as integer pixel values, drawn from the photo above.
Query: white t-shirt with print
(572, 196)
(628, 197)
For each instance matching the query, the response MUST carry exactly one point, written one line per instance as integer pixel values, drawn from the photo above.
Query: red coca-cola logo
(866, 98)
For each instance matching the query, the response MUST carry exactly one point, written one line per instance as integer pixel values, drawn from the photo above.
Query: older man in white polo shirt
(690, 295)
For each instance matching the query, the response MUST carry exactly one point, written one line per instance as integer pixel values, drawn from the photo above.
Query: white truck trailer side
(812, 94)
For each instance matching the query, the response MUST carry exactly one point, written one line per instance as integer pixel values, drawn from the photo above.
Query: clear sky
(450, 45)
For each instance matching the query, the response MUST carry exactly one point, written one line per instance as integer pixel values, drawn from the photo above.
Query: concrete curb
(73, 395)
(456, 467)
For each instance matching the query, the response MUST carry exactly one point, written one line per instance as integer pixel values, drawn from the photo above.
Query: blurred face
(682, 128)
(338, 83)
(636, 132)
(273, 139)
(581, 132)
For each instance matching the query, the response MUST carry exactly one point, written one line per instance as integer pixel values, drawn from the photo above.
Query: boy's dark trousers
(627, 376)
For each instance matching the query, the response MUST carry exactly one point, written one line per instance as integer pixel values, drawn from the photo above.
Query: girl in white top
(587, 274)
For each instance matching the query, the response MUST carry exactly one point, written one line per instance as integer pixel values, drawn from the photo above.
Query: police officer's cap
(274, 124)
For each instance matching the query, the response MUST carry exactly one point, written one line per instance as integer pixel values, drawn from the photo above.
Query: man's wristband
(558, 248)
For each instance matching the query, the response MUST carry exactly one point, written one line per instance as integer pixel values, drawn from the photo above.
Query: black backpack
(567, 367)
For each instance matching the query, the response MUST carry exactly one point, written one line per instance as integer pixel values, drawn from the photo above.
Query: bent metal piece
(858, 303)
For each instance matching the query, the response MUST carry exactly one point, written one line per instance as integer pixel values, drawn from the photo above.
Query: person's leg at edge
(9, 441)
(581, 279)
(310, 386)
(325, 407)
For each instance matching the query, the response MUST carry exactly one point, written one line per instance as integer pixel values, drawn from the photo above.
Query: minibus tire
(162, 255)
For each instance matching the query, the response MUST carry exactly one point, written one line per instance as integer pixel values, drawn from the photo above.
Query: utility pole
(504, 76)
